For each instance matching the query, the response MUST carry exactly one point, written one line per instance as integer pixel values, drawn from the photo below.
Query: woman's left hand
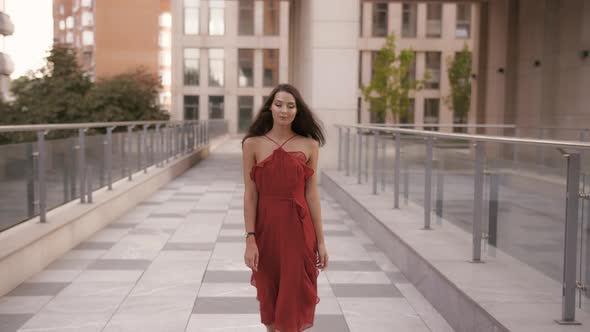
(322, 261)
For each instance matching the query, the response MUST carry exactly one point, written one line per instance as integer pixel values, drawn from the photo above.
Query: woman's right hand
(251, 255)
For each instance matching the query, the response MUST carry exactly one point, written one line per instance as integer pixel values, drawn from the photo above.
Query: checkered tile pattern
(175, 263)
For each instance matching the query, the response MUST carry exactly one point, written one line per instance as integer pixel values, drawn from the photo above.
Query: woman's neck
(281, 132)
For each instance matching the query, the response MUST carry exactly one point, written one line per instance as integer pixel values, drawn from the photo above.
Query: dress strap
(280, 145)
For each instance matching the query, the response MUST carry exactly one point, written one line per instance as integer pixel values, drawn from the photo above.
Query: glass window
(216, 67)
(412, 70)
(409, 20)
(271, 17)
(246, 17)
(433, 68)
(191, 107)
(166, 76)
(463, 20)
(87, 38)
(61, 9)
(191, 66)
(86, 3)
(216, 17)
(87, 19)
(431, 113)
(70, 22)
(216, 107)
(379, 19)
(164, 39)
(245, 67)
(165, 20)
(270, 62)
(165, 58)
(245, 111)
(191, 17)
(70, 37)
(360, 71)
(62, 24)
(408, 117)
(434, 20)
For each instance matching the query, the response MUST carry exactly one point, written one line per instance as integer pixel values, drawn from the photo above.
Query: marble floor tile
(228, 305)
(12, 322)
(38, 289)
(119, 264)
(365, 290)
(22, 304)
(227, 276)
(381, 315)
(227, 289)
(225, 323)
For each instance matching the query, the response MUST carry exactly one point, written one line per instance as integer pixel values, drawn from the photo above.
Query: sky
(33, 34)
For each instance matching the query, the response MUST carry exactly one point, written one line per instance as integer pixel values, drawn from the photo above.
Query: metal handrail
(570, 150)
(443, 125)
(64, 126)
(479, 138)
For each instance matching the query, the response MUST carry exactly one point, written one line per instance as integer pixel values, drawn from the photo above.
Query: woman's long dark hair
(304, 124)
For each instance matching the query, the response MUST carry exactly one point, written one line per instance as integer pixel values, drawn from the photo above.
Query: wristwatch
(248, 234)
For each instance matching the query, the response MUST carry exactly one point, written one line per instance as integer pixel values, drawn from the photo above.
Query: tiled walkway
(175, 263)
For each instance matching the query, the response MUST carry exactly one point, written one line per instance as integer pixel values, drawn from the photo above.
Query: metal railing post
(339, 148)
(129, 146)
(478, 201)
(109, 157)
(82, 163)
(406, 181)
(397, 170)
(375, 159)
(89, 183)
(568, 303)
(145, 148)
(347, 152)
(30, 175)
(428, 183)
(383, 163)
(493, 209)
(359, 139)
(438, 206)
(367, 158)
(42, 184)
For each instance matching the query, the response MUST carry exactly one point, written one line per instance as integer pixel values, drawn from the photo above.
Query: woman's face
(283, 108)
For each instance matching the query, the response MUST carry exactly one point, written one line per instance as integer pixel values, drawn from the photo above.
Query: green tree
(390, 87)
(130, 96)
(459, 77)
(55, 93)
(60, 92)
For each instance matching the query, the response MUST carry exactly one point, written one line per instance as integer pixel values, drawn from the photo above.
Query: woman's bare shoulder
(251, 142)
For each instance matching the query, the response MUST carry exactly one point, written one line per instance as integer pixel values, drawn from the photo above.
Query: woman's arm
(250, 202)
(312, 196)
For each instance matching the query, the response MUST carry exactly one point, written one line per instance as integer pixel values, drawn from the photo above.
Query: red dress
(286, 280)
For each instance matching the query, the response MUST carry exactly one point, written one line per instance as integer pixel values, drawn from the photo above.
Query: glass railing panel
(453, 183)
(524, 213)
(17, 197)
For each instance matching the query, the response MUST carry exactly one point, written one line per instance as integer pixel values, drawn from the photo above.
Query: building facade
(226, 57)
(113, 36)
(435, 31)
(6, 64)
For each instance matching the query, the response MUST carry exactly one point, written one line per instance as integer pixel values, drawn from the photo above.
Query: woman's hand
(322, 262)
(251, 255)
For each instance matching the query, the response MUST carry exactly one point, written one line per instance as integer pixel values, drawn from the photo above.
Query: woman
(284, 237)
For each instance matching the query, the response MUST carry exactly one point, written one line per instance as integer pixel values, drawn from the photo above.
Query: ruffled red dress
(286, 280)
